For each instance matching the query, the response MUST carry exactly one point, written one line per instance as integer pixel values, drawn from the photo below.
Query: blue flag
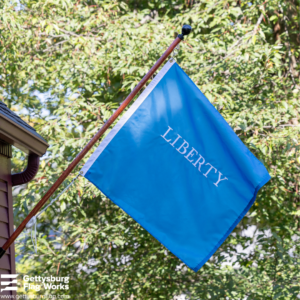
(175, 166)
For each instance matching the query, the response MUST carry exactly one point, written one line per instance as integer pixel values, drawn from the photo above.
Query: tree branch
(289, 46)
(238, 44)
(55, 46)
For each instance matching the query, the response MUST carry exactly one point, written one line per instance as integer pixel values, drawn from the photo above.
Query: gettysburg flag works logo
(6, 285)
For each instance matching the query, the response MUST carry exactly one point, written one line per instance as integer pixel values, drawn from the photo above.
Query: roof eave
(19, 137)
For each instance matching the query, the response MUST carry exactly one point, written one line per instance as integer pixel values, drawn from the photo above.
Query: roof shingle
(5, 111)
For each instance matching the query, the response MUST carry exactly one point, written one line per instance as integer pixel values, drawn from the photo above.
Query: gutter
(30, 171)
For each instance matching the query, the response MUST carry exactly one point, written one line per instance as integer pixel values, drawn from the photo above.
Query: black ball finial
(186, 29)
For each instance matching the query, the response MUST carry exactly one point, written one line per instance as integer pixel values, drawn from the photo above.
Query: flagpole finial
(185, 30)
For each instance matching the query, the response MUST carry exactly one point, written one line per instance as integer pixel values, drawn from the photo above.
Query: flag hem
(265, 179)
(105, 142)
(261, 184)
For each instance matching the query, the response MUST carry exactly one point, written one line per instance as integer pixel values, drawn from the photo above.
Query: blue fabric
(186, 205)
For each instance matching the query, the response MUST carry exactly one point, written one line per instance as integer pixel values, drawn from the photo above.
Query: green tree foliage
(85, 57)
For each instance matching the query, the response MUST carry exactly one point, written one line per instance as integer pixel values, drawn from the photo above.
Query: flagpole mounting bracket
(2, 252)
(185, 30)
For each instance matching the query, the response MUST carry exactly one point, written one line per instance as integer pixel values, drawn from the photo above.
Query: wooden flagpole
(186, 29)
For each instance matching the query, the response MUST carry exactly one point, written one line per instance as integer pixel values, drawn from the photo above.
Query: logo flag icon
(174, 165)
(5, 284)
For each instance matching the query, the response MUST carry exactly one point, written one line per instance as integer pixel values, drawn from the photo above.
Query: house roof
(4, 110)
(17, 132)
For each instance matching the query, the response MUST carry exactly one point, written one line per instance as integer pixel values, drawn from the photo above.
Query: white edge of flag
(126, 116)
